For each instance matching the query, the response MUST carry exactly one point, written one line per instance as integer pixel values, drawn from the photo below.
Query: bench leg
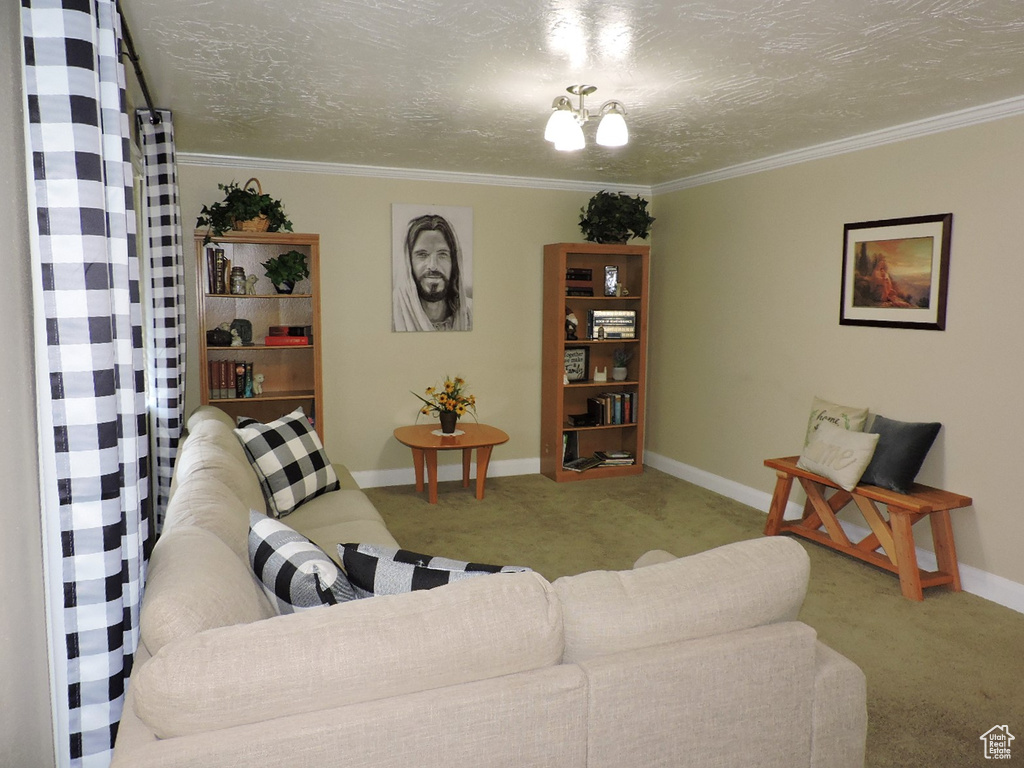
(777, 510)
(906, 556)
(945, 549)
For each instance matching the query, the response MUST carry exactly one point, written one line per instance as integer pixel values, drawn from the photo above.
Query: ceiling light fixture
(565, 126)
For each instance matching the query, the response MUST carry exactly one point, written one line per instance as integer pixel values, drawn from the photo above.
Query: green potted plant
(620, 359)
(286, 269)
(615, 217)
(244, 209)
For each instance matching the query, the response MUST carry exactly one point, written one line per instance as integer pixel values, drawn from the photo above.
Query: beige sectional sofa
(680, 662)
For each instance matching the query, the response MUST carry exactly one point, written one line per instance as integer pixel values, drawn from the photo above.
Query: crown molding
(951, 121)
(404, 174)
(948, 122)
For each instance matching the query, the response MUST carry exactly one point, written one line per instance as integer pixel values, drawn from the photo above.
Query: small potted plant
(286, 269)
(615, 217)
(620, 359)
(243, 209)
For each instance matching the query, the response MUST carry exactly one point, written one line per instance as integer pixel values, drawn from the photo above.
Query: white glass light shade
(612, 131)
(559, 124)
(571, 138)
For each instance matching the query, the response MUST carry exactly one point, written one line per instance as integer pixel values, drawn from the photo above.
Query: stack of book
(230, 379)
(579, 281)
(615, 458)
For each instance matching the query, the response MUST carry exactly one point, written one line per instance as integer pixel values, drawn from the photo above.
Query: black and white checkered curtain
(166, 335)
(92, 351)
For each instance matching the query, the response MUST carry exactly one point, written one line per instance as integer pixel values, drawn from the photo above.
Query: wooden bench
(895, 536)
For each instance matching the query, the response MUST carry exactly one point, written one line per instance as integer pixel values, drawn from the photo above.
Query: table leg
(431, 457)
(417, 465)
(945, 549)
(906, 557)
(783, 485)
(467, 458)
(483, 458)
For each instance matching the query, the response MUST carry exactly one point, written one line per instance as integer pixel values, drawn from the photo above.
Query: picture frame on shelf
(611, 280)
(577, 363)
(896, 272)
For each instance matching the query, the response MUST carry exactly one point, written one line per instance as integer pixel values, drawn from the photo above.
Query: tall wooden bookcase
(560, 400)
(292, 373)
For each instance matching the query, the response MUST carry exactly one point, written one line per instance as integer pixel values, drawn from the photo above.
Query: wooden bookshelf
(560, 400)
(292, 373)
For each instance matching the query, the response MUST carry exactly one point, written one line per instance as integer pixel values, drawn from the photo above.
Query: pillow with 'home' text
(844, 416)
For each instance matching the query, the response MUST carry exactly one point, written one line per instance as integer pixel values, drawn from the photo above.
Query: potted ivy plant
(286, 269)
(615, 217)
(245, 209)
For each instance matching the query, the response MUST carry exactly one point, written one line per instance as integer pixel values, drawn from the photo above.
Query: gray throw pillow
(901, 450)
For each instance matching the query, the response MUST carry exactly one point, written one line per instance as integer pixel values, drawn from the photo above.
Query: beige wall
(25, 723)
(370, 371)
(744, 321)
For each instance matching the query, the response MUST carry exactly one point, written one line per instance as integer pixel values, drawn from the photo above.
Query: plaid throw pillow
(289, 459)
(374, 570)
(296, 574)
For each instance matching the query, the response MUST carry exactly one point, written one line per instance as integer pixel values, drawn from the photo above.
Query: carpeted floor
(940, 673)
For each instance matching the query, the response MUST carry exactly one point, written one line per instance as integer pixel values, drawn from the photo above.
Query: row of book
(613, 408)
(230, 379)
(218, 270)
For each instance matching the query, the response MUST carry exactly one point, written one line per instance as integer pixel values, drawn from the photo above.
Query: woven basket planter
(261, 223)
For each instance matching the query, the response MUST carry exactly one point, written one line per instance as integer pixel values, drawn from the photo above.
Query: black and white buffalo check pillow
(289, 459)
(296, 574)
(374, 570)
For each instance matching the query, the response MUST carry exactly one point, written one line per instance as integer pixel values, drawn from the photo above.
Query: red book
(286, 341)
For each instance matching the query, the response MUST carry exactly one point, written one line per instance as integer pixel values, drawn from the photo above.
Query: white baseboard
(974, 580)
(445, 472)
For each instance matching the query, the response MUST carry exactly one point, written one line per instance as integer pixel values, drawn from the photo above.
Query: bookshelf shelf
(292, 373)
(560, 400)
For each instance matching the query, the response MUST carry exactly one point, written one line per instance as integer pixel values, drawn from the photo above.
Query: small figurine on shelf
(236, 339)
(257, 384)
(250, 283)
(571, 324)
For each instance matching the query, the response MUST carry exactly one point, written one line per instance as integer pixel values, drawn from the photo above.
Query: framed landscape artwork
(895, 272)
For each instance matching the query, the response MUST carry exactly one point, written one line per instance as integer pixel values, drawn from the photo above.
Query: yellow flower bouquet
(451, 398)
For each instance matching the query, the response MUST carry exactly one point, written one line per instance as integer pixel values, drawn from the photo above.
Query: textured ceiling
(466, 85)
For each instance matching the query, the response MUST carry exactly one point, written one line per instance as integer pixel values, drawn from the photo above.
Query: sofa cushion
(202, 499)
(842, 416)
(289, 460)
(361, 651)
(376, 570)
(732, 587)
(213, 450)
(195, 583)
(838, 454)
(902, 448)
(296, 574)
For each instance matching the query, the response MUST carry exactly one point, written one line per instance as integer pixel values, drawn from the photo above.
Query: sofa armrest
(839, 719)
(733, 587)
(345, 479)
(355, 652)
